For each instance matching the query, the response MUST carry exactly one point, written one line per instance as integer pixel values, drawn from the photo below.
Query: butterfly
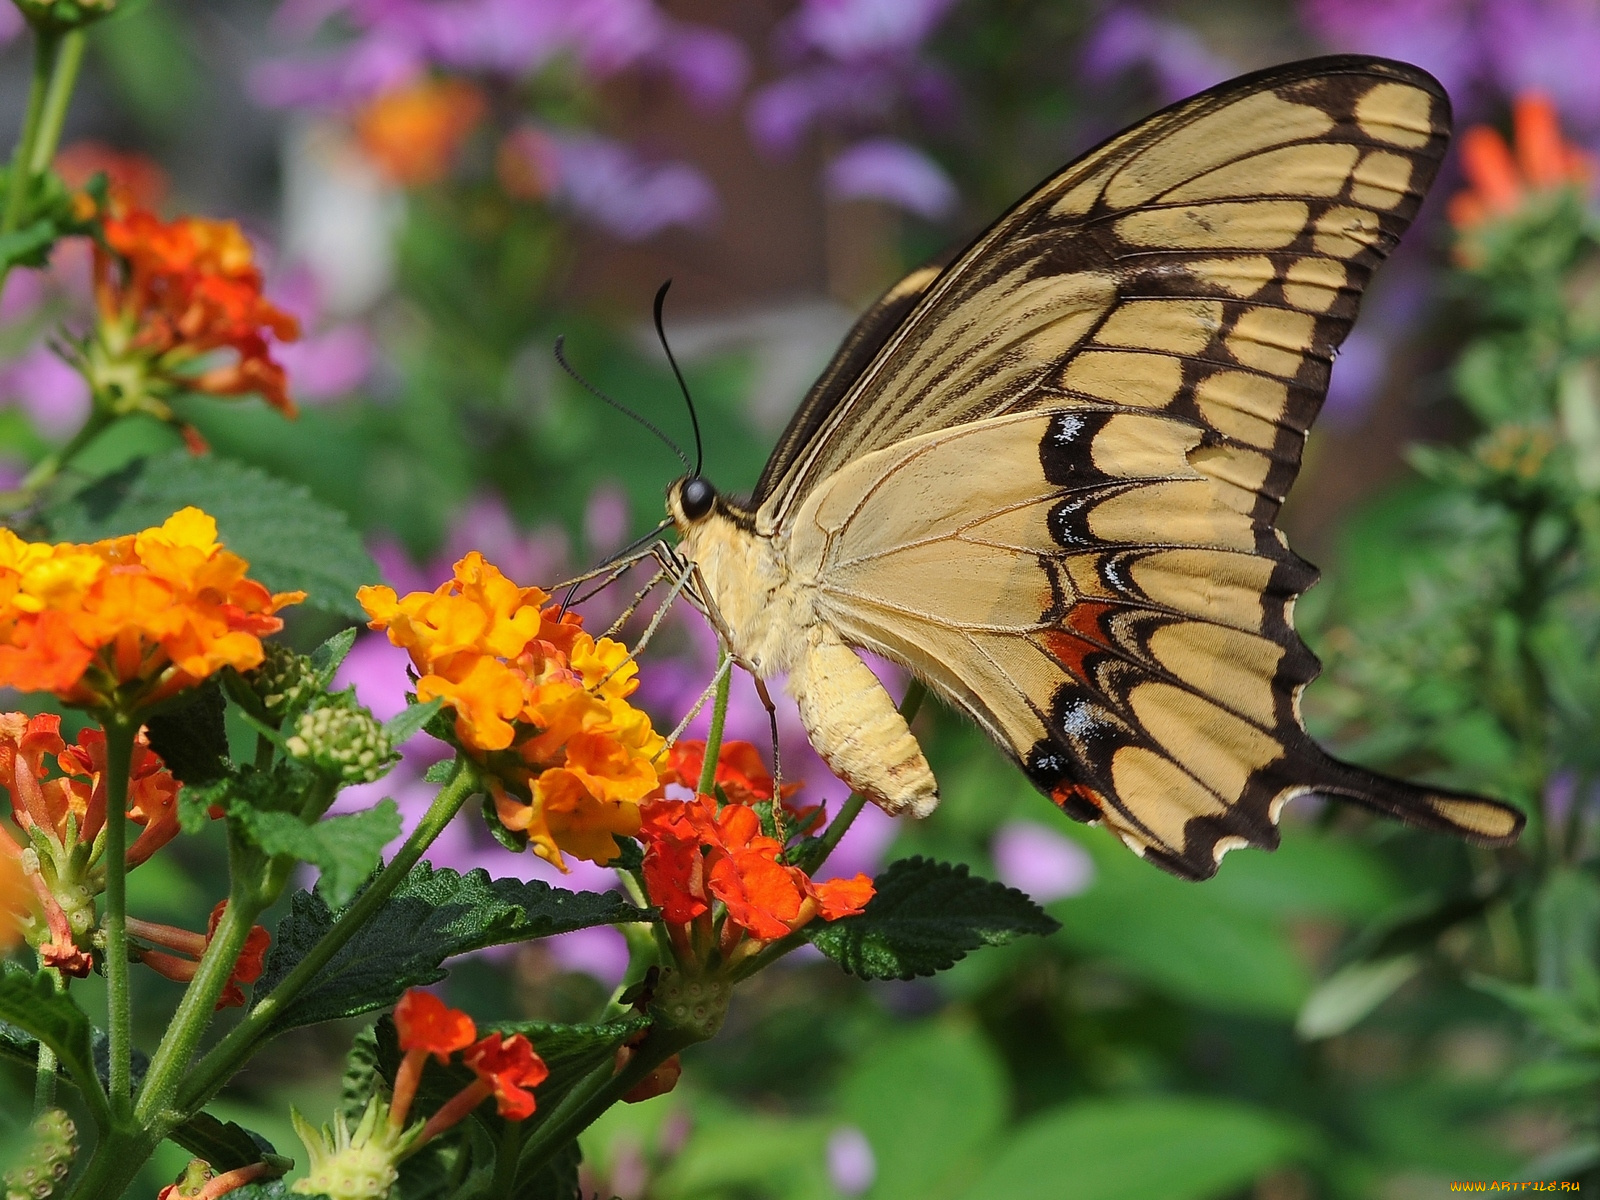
(1045, 477)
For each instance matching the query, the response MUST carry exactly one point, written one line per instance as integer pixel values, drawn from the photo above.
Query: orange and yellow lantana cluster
(537, 701)
(177, 290)
(129, 620)
(697, 853)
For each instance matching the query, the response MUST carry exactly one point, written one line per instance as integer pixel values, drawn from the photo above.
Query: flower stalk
(120, 731)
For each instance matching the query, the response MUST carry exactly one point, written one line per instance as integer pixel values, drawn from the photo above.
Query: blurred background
(439, 188)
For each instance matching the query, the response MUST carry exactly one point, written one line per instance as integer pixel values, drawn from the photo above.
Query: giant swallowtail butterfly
(1045, 477)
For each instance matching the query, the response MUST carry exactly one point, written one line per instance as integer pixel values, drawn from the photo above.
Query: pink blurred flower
(605, 519)
(852, 1167)
(894, 172)
(607, 184)
(857, 29)
(52, 393)
(1036, 859)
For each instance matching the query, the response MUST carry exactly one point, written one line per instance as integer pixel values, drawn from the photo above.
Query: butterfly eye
(697, 497)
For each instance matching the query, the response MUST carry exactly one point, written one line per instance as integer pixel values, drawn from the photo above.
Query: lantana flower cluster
(537, 702)
(171, 292)
(361, 1164)
(698, 851)
(131, 620)
(62, 820)
(175, 953)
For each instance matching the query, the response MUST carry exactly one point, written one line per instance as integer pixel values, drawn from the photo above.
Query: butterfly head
(691, 500)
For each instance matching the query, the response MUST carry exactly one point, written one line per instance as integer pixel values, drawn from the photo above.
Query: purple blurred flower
(10, 23)
(895, 172)
(605, 519)
(397, 39)
(1551, 46)
(24, 291)
(329, 361)
(857, 29)
(1040, 861)
(782, 113)
(532, 557)
(1357, 380)
(852, 1166)
(1178, 58)
(607, 184)
(1440, 36)
(47, 389)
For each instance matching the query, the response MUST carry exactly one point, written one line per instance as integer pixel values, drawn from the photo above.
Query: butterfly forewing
(1051, 492)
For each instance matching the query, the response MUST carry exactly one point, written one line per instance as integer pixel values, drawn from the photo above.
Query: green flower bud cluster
(284, 681)
(358, 1164)
(45, 1164)
(342, 739)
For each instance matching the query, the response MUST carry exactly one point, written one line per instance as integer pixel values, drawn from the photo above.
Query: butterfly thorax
(766, 616)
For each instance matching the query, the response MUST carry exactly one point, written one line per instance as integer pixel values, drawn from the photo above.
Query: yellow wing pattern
(1052, 491)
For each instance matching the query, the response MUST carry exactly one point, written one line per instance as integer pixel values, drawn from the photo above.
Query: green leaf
(28, 246)
(924, 917)
(433, 915)
(345, 849)
(950, 1105)
(226, 1145)
(192, 738)
(360, 1075)
(408, 721)
(292, 541)
(440, 771)
(1182, 938)
(1177, 1149)
(327, 658)
(31, 1003)
(556, 1180)
(1344, 999)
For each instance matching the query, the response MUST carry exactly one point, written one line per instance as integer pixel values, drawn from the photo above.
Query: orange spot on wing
(1063, 794)
(1079, 636)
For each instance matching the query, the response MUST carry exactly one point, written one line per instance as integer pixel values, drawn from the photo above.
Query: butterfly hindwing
(1051, 492)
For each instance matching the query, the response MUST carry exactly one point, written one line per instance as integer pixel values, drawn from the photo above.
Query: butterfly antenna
(694, 419)
(561, 357)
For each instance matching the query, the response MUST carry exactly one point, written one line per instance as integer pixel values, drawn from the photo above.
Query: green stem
(120, 730)
(116, 1161)
(57, 98)
(816, 853)
(223, 1059)
(505, 1162)
(21, 178)
(595, 1094)
(48, 467)
(719, 714)
(199, 1002)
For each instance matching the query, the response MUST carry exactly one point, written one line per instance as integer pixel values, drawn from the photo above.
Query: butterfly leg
(777, 766)
(854, 725)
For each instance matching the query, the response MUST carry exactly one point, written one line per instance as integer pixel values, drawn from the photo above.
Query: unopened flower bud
(342, 740)
(45, 1164)
(283, 680)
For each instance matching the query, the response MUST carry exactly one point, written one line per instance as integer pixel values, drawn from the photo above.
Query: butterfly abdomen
(854, 725)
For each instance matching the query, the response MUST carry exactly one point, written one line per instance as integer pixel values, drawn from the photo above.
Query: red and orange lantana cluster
(697, 853)
(189, 947)
(131, 620)
(1502, 177)
(539, 703)
(176, 291)
(61, 820)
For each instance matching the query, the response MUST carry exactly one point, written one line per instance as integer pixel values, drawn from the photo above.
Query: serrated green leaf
(924, 917)
(440, 771)
(1177, 1149)
(360, 1075)
(32, 1004)
(226, 1145)
(432, 916)
(344, 848)
(291, 540)
(327, 658)
(405, 724)
(192, 737)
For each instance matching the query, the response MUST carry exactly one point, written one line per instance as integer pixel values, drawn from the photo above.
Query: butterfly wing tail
(1477, 819)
